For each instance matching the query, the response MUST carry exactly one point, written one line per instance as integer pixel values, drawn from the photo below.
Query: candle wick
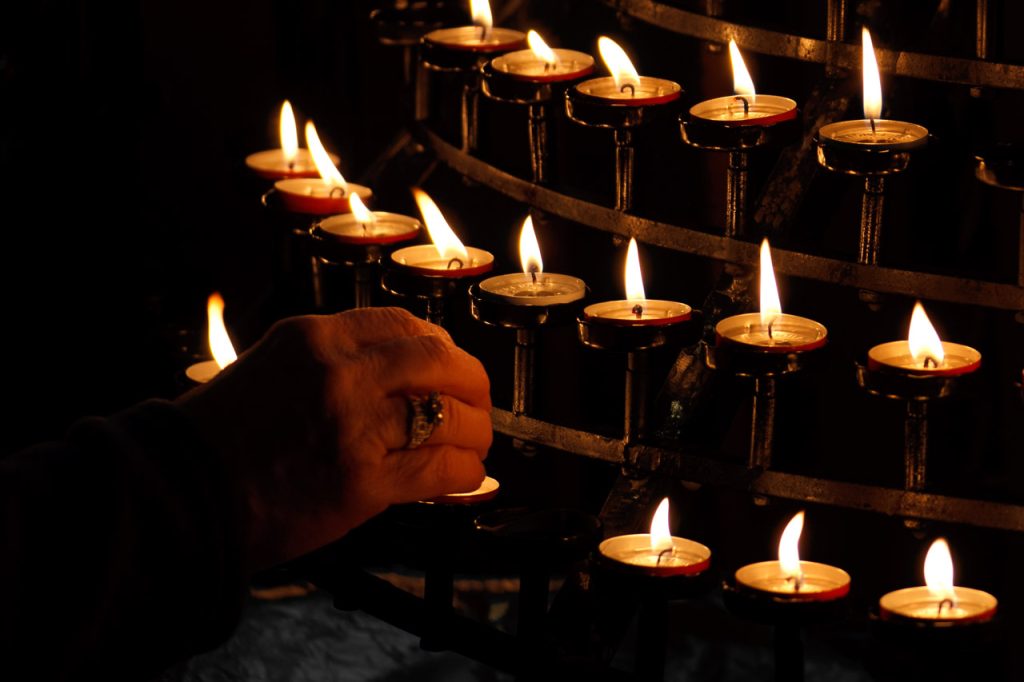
(457, 263)
(872, 121)
(746, 105)
(632, 89)
(798, 581)
(291, 165)
(770, 329)
(947, 602)
(533, 275)
(638, 310)
(341, 191)
(662, 554)
(485, 33)
(547, 66)
(927, 359)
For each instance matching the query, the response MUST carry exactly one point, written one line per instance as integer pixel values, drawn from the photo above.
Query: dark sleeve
(120, 550)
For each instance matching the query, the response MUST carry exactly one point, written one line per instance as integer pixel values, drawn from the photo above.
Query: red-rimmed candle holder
(419, 272)
(616, 326)
(599, 103)
(271, 164)
(311, 196)
(459, 52)
(524, 79)
(344, 240)
(744, 348)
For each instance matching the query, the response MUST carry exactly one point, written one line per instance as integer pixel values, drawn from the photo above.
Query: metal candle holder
(1003, 167)
(635, 341)
(526, 320)
(433, 286)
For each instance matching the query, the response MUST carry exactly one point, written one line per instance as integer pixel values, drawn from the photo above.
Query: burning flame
(923, 340)
(447, 244)
(661, 536)
(872, 84)
(634, 277)
(541, 49)
(771, 306)
(529, 249)
(220, 343)
(328, 172)
(618, 64)
(742, 83)
(481, 13)
(789, 552)
(289, 135)
(938, 571)
(362, 214)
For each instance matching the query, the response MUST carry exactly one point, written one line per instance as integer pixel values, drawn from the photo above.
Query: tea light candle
(447, 256)
(657, 553)
(770, 330)
(328, 194)
(746, 108)
(533, 286)
(637, 310)
(487, 490)
(873, 133)
(924, 353)
(790, 578)
(480, 38)
(542, 64)
(363, 226)
(939, 602)
(289, 161)
(220, 344)
(625, 87)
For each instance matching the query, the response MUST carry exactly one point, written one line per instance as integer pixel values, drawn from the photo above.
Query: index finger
(369, 326)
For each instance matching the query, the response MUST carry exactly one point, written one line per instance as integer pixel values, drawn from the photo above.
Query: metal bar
(435, 310)
(736, 194)
(706, 470)
(915, 445)
(635, 407)
(981, 30)
(762, 423)
(625, 156)
(364, 285)
(911, 64)
(835, 33)
(680, 238)
(538, 120)
(871, 206)
(522, 380)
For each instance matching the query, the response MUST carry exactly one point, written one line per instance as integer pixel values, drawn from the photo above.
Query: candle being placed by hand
(924, 353)
(325, 195)
(746, 107)
(221, 348)
(637, 310)
(290, 161)
(939, 601)
(657, 553)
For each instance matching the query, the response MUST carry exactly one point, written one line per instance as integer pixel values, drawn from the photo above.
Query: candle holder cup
(908, 647)
(435, 287)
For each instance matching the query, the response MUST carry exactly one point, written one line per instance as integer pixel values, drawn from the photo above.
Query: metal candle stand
(909, 648)
(526, 320)
(434, 289)
(763, 367)
(787, 616)
(635, 341)
(1003, 167)
(596, 112)
(404, 26)
(738, 141)
(291, 230)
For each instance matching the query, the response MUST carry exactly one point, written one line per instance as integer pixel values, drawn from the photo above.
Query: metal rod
(835, 34)
(915, 445)
(981, 30)
(469, 111)
(652, 639)
(316, 282)
(624, 167)
(736, 194)
(635, 411)
(435, 310)
(364, 285)
(789, 654)
(762, 423)
(538, 115)
(438, 591)
(421, 93)
(522, 384)
(872, 203)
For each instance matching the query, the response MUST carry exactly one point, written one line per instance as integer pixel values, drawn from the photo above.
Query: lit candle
(363, 226)
(480, 38)
(637, 310)
(770, 330)
(325, 195)
(924, 353)
(220, 344)
(873, 133)
(289, 161)
(745, 108)
(533, 286)
(542, 64)
(939, 601)
(625, 87)
(446, 256)
(657, 553)
(791, 578)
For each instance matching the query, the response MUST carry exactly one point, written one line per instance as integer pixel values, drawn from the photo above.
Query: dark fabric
(120, 550)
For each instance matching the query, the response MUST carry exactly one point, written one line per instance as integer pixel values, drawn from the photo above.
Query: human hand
(313, 423)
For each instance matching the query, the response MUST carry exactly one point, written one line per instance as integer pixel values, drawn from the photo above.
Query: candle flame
(661, 536)
(220, 344)
(771, 306)
(529, 249)
(447, 244)
(541, 49)
(634, 276)
(789, 551)
(923, 340)
(615, 59)
(289, 134)
(742, 83)
(872, 84)
(938, 571)
(480, 10)
(359, 210)
(331, 176)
